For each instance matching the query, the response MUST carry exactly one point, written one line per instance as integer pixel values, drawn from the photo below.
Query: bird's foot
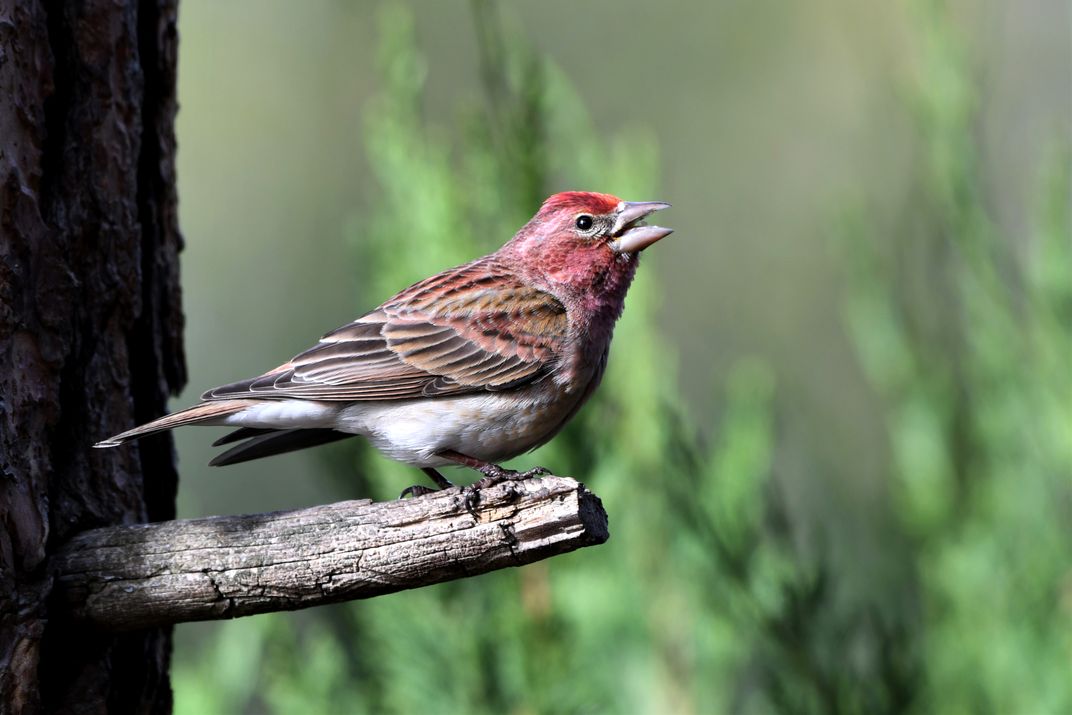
(418, 490)
(494, 474)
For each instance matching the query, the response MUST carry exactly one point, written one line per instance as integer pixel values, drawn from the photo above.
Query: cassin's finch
(472, 366)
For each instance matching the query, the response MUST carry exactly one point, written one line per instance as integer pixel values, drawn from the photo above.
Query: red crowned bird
(473, 366)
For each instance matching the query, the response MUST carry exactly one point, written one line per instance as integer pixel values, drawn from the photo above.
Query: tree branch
(127, 577)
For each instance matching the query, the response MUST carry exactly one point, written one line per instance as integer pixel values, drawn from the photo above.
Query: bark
(90, 327)
(124, 577)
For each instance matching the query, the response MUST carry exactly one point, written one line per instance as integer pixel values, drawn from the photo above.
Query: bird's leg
(419, 490)
(441, 481)
(493, 473)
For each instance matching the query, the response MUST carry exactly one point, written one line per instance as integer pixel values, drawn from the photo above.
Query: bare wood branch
(127, 577)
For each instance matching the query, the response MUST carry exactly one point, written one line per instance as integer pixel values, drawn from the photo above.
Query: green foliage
(969, 342)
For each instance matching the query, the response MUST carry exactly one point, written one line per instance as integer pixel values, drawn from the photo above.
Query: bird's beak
(629, 232)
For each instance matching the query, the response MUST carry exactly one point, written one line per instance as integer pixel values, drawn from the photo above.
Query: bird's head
(585, 243)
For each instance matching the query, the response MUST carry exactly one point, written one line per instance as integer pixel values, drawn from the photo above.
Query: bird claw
(416, 490)
(494, 474)
(471, 494)
(471, 499)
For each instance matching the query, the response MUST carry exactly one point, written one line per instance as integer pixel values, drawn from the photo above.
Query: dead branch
(127, 577)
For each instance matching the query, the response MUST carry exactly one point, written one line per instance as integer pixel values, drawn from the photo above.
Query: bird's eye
(584, 222)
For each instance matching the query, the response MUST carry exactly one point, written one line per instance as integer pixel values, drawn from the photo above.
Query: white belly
(490, 427)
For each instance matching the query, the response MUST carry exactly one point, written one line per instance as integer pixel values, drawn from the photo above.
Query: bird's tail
(205, 413)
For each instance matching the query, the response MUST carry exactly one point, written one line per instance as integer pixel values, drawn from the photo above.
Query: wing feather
(472, 328)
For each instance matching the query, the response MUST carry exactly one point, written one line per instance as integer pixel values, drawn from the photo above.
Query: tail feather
(272, 442)
(206, 412)
(240, 434)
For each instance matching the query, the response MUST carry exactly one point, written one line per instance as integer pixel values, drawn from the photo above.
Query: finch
(473, 366)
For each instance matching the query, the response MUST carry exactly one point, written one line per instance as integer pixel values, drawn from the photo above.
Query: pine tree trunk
(90, 327)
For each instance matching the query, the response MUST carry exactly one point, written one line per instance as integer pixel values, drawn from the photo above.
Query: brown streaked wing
(474, 328)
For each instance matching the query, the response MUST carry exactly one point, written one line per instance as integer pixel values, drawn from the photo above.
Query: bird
(473, 366)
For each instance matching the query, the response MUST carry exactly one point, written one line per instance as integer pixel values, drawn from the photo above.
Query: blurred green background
(835, 438)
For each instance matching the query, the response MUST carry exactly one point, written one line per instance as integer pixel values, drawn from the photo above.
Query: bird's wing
(472, 328)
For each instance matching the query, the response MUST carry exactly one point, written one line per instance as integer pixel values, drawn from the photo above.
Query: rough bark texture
(90, 326)
(125, 577)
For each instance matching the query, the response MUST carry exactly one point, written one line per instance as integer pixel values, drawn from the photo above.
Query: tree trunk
(90, 327)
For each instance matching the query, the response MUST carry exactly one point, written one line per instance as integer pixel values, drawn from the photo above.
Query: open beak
(630, 233)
